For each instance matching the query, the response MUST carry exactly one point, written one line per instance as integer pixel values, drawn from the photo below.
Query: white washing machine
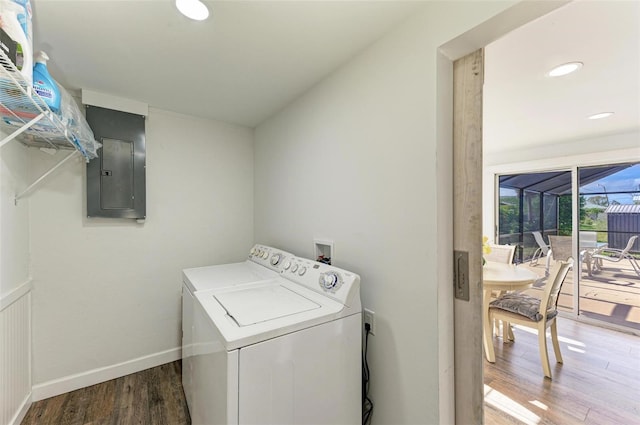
(263, 263)
(281, 351)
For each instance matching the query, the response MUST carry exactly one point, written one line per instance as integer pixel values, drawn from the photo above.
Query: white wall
(107, 291)
(15, 303)
(14, 219)
(355, 161)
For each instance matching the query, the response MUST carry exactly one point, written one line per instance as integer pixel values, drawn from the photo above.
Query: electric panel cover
(116, 179)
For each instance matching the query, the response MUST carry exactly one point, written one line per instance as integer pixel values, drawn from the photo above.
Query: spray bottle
(43, 84)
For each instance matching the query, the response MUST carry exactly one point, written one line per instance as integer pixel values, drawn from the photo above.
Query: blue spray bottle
(43, 84)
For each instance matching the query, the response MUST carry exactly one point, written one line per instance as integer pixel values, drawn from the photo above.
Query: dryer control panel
(339, 284)
(269, 257)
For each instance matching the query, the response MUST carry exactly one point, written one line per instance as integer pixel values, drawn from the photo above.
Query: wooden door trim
(467, 233)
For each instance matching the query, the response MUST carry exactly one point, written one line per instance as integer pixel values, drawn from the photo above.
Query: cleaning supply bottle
(11, 15)
(43, 84)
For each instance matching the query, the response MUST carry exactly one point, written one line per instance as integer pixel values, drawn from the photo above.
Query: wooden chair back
(549, 301)
(501, 253)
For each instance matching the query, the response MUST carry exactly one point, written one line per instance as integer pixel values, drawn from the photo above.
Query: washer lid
(254, 305)
(223, 275)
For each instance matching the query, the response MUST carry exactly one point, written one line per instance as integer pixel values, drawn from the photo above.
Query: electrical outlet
(370, 318)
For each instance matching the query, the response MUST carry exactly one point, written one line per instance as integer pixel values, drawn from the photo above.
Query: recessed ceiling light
(193, 9)
(565, 69)
(600, 115)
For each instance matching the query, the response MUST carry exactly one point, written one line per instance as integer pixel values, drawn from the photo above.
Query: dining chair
(539, 314)
(501, 253)
(543, 248)
(616, 255)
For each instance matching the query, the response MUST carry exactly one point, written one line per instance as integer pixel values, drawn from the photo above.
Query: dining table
(500, 277)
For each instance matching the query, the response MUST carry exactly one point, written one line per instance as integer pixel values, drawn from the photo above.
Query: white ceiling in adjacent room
(523, 107)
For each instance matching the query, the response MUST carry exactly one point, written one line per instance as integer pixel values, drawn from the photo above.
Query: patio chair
(560, 250)
(539, 314)
(616, 255)
(501, 253)
(543, 248)
(589, 245)
(588, 239)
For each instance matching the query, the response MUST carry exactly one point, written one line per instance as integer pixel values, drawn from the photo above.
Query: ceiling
(525, 108)
(243, 64)
(251, 58)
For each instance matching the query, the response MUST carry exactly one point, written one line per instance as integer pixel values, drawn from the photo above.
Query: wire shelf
(26, 117)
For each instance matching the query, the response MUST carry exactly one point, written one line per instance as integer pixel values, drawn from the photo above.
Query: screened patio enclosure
(543, 202)
(602, 286)
(531, 202)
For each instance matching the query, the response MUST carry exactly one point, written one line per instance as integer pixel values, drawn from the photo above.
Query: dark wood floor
(151, 397)
(598, 383)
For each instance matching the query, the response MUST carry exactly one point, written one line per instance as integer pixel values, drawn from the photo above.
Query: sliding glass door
(605, 283)
(608, 243)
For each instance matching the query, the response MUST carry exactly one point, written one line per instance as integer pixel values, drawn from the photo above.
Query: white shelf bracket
(44, 176)
(21, 130)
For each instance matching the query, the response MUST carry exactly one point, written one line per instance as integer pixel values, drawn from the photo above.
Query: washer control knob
(265, 255)
(330, 281)
(275, 259)
(294, 268)
(287, 265)
(253, 251)
(302, 270)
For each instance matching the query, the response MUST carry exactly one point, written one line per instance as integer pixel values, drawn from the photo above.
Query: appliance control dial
(265, 255)
(287, 265)
(294, 268)
(253, 251)
(275, 259)
(302, 270)
(330, 281)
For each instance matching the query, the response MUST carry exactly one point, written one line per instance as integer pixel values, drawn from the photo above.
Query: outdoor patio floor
(611, 295)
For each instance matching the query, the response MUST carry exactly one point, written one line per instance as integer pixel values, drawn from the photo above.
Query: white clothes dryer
(263, 263)
(281, 351)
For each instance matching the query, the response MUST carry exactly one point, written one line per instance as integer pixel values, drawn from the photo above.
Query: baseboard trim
(22, 412)
(80, 380)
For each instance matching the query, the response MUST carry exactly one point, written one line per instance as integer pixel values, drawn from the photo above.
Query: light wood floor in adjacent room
(598, 383)
(151, 397)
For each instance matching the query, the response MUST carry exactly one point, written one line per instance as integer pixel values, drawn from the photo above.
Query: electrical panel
(116, 186)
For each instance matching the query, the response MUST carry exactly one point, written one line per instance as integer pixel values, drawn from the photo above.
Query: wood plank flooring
(598, 383)
(153, 396)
